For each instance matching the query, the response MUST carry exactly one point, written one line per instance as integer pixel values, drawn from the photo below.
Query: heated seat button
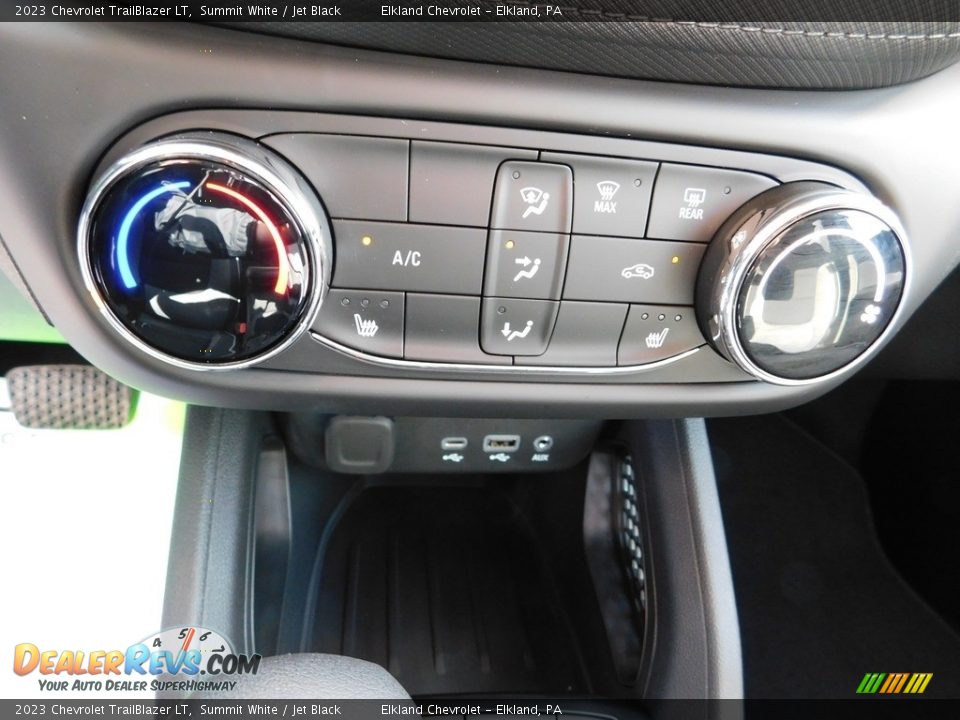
(445, 328)
(364, 320)
(627, 270)
(691, 203)
(401, 256)
(452, 184)
(516, 327)
(656, 332)
(533, 196)
(611, 196)
(525, 264)
(586, 335)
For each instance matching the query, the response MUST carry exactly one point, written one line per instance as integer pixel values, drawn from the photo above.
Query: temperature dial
(802, 283)
(205, 251)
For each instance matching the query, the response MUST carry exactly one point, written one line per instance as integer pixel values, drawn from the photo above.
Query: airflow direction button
(517, 327)
(533, 196)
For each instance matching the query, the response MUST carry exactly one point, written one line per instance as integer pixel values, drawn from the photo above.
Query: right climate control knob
(802, 282)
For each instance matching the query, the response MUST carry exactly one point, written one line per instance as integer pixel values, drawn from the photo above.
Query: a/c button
(402, 256)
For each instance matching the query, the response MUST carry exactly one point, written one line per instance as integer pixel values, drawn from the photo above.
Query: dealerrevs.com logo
(190, 659)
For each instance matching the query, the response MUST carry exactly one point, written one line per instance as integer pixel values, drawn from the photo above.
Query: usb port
(501, 443)
(453, 443)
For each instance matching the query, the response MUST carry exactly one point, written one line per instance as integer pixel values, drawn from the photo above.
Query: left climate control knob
(205, 250)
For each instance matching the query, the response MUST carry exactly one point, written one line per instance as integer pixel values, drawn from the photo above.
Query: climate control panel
(215, 250)
(467, 254)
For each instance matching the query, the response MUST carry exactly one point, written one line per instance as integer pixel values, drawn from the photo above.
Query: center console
(371, 247)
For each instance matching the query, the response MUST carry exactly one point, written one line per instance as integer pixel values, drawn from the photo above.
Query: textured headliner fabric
(813, 55)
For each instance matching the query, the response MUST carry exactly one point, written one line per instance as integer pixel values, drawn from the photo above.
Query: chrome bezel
(769, 223)
(253, 159)
(597, 370)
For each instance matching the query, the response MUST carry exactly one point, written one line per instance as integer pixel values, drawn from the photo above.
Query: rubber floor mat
(819, 603)
(447, 589)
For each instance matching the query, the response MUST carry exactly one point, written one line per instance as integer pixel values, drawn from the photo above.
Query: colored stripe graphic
(123, 236)
(894, 683)
(283, 264)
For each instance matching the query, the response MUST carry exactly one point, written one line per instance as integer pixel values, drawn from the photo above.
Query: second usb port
(501, 443)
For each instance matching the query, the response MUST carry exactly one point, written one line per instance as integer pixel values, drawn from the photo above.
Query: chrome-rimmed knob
(205, 250)
(803, 283)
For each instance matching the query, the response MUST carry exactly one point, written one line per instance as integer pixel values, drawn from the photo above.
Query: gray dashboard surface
(70, 91)
(755, 54)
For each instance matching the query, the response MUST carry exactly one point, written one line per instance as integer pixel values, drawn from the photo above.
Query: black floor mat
(447, 588)
(916, 489)
(819, 603)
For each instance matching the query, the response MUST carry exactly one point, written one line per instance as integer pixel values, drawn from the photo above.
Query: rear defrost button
(691, 203)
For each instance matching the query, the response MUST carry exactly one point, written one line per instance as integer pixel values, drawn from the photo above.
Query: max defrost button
(656, 332)
(517, 327)
(611, 195)
(396, 256)
(691, 203)
(364, 320)
(533, 196)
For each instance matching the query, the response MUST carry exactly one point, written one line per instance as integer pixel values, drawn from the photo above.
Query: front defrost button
(533, 196)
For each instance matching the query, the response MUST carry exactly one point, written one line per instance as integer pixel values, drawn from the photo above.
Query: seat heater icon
(365, 328)
(655, 340)
(536, 200)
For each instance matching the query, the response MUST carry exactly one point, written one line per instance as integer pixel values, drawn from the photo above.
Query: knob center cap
(803, 282)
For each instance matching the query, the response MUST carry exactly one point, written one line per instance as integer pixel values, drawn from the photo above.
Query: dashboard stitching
(707, 25)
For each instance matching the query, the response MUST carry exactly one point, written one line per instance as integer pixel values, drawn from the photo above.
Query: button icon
(410, 258)
(365, 328)
(532, 266)
(870, 314)
(641, 270)
(606, 204)
(536, 200)
(694, 198)
(655, 340)
(511, 334)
